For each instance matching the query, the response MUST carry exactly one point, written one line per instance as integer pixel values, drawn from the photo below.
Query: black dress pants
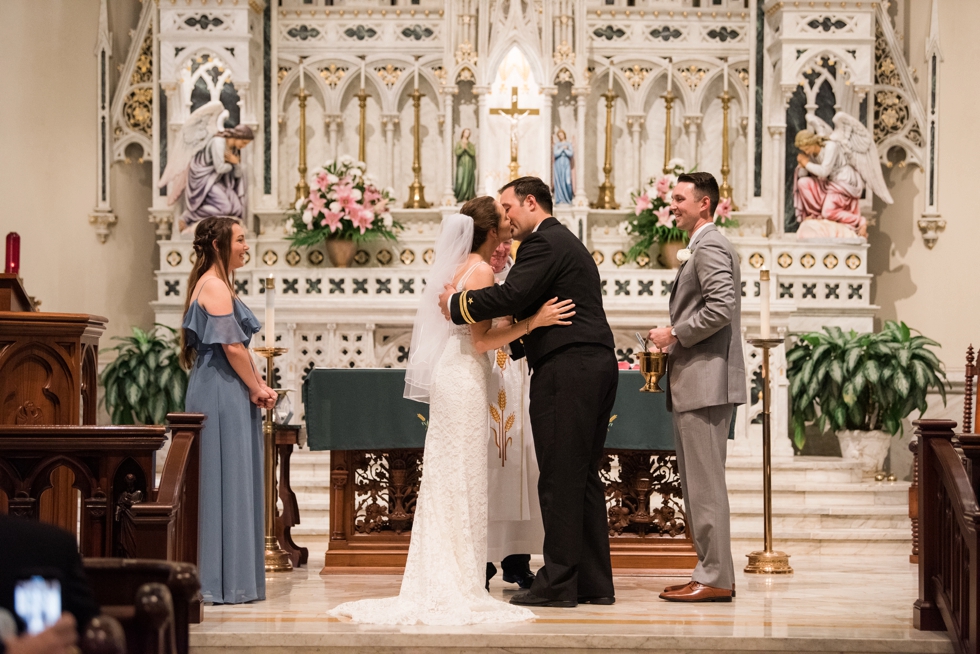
(572, 395)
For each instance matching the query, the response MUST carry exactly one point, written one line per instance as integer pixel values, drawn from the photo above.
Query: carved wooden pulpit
(375, 438)
(48, 376)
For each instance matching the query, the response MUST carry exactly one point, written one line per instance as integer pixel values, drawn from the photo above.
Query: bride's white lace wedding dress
(445, 573)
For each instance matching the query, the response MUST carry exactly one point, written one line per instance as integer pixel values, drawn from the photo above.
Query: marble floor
(830, 604)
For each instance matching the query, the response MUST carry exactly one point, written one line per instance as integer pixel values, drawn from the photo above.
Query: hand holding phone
(37, 601)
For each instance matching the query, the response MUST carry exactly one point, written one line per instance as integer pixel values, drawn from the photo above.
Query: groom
(573, 386)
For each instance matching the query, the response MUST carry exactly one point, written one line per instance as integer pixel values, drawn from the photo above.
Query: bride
(448, 368)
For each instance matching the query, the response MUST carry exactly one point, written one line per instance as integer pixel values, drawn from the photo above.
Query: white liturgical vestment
(514, 513)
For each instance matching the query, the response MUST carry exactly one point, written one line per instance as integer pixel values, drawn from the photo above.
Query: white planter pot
(868, 448)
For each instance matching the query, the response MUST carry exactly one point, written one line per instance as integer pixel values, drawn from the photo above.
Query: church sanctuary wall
(935, 290)
(48, 164)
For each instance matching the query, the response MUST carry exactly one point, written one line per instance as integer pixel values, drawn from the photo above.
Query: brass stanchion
(416, 192)
(302, 189)
(607, 192)
(725, 190)
(767, 561)
(362, 97)
(276, 559)
(668, 106)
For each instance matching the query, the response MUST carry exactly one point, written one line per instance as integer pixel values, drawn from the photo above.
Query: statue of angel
(834, 167)
(204, 166)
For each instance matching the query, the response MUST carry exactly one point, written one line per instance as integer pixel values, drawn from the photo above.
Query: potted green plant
(862, 385)
(344, 207)
(145, 381)
(652, 221)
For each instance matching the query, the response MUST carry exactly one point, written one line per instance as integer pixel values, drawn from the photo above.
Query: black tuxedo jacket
(551, 262)
(28, 548)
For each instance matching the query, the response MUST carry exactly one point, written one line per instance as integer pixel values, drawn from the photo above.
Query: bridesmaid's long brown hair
(212, 246)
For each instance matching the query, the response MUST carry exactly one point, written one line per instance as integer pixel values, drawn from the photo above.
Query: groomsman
(705, 381)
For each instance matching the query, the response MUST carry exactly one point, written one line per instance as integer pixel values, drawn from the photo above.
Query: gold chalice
(653, 366)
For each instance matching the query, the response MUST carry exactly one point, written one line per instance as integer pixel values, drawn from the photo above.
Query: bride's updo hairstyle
(483, 211)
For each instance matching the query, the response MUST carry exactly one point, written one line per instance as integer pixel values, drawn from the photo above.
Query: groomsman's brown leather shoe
(671, 589)
(696, 592)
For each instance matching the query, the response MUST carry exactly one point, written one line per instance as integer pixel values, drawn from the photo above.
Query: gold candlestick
(607, 192)
(362, 97)
(276, 559)
(725, 189)
(767, 562)
(668, 106)
(416, 192)
(302, 189)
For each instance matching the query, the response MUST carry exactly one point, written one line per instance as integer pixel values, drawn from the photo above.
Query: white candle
(725, 75)
(270, 311)
(362, 74)
(416, 74)
(610, 75)
(302, 77)
(670, 74)
(764, 302)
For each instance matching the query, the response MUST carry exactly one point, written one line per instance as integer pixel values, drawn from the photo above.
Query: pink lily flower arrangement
(344, 203)
(652, 221)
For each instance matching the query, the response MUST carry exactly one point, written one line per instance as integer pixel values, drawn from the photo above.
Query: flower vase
(341, 252)
(668, 254)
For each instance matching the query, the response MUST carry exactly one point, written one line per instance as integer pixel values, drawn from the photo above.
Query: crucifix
(514, 114)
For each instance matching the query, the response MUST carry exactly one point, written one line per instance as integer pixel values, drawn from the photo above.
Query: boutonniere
(683, 255)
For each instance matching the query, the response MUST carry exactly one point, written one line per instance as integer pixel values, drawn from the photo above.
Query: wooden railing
(122, 514)
(949, 548)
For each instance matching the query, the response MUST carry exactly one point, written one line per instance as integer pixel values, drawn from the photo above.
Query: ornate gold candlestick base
(276, 559)
(767, 562)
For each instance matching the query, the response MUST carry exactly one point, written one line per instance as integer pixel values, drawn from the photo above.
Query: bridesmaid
(225, 386)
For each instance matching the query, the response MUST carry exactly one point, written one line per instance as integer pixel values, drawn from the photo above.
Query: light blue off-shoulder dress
(231, 562)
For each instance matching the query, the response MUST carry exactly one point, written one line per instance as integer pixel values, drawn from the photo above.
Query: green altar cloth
(363, 409)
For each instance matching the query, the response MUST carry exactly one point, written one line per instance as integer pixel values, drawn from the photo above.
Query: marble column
(581, 95)
(547, 97)
(777, 133)
(483, 121)
(692, 127)
(389, 125)
(448, 94)
(635, 124)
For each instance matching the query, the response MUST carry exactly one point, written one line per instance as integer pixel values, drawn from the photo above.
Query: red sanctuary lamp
(12, 259)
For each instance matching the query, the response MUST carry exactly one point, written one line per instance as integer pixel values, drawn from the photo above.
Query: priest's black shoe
(527, 598)
(524, 579)
(604, 601)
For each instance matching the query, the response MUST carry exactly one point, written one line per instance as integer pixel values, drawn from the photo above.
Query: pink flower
(663, 187)
(317, 202)
(321, 181)
(724, 209)
(362, 218)
(371, 194)
(380, 206)
(664, 219)
(331, 219)
(643, 203)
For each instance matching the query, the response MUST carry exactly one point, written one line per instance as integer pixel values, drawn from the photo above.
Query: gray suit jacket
(706, 367)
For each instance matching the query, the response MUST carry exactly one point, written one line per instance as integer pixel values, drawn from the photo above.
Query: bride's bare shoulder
(481, 277)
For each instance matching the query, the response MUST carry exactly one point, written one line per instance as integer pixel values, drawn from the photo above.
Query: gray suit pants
(701, 439)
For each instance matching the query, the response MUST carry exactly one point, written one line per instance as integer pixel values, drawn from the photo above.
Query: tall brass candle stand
(362, 97)
(725, 190)
(767, 562)
(302, 189)
(276, 559)
(668, 106)
(607, 192)
(416, 192)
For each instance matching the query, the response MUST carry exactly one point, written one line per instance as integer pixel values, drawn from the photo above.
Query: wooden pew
(949, 548)
(152, 600)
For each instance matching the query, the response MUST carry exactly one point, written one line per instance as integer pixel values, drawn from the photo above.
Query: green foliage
(861, 381)
(145, 382)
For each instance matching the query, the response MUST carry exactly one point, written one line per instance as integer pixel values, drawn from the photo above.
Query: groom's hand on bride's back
(447, 294)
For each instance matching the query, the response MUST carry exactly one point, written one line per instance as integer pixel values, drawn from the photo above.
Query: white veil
(431, 329)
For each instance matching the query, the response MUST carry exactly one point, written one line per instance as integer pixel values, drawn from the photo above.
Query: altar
(376, 437)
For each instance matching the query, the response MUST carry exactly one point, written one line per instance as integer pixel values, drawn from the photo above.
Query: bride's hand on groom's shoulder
(447, 294)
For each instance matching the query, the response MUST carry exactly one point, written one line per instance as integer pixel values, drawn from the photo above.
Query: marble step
(820, 518)
(797, 469)
(798, 494)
